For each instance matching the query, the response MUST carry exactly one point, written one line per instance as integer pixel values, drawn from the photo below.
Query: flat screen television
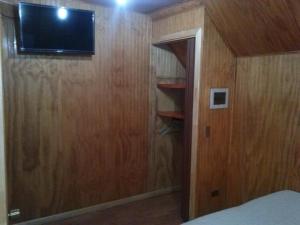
(55, 30)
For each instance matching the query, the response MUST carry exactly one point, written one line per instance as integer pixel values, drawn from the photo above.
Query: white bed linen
(280, 208)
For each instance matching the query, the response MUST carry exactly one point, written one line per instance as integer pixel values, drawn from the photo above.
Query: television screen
(59, 30)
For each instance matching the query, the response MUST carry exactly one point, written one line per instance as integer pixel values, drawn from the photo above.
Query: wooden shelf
(174, 115)
(172, 86)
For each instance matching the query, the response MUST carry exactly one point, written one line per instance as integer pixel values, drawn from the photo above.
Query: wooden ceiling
(256, 27)
(249, 27)
(143, 6)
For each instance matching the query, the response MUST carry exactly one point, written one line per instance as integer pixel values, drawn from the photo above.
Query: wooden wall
(69, 148)
(218, 71)
(259, 134)
(264, 155)
(77, 127)
(3, 187)
(178, 22)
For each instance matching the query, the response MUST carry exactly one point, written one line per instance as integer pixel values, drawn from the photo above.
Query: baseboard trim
(107, 205)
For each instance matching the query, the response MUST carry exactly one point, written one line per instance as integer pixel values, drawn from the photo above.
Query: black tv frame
(22, 50)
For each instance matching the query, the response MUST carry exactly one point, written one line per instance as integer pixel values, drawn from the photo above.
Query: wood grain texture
(217, 71)
(178, 36)
(181, 21)
(294, 6)
(166, 148)
(163, 210)
(77, 127)
(179, 48)
(101, 207)
(195, 125)
(188, 128)
(294, 179)
(264, 153)
(255, 27)
(3, 187)
(177, 8)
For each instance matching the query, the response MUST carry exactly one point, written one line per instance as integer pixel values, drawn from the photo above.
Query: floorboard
(163, 210)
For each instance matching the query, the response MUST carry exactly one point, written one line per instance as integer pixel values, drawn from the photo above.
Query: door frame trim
(198, 35)
(3, 183)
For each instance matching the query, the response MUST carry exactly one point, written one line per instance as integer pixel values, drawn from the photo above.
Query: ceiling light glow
(62, 13)
(121, 2)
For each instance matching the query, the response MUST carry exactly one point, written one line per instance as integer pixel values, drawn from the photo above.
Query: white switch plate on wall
(219, 98)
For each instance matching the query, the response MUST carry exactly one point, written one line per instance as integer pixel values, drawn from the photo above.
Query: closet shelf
(174, 115)
(172, 86)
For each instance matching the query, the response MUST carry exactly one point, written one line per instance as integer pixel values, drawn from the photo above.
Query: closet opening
(173, 66)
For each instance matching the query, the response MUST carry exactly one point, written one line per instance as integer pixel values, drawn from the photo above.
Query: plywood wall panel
(264, 154)
(294, 172)
(78, 126)
(185, 5)
(294, 180)
(255, 27)
(218, 71)
(181, 21)
(165, 157)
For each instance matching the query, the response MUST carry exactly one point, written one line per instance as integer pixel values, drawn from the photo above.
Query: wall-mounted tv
(55, 30)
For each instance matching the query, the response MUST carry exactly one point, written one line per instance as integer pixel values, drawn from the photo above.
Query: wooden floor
(163, 210)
